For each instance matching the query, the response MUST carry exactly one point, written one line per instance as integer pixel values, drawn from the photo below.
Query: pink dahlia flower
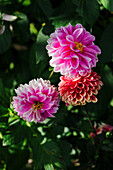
(78, 91)
(36, 101)
(101, 129)
(72, 50)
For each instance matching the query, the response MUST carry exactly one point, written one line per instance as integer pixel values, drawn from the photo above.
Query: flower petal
(70, 38)
(75, 61)
(78, 34)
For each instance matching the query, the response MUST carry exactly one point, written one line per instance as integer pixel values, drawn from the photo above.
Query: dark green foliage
(62, 142)
(5, 40)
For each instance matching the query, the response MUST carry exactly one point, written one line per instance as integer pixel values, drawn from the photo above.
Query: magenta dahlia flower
(72, 50)
(36, 101)
(79, 90)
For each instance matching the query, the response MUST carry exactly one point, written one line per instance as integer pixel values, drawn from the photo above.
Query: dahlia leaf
(37, 63)
(106, 45)
(66, 16)
(5, 40)
(40, 51)
(88, 9)
(108, 4)
(38, 58)
(105, 94)
(46, 7)
(19, 24)
(49, 167)
(107, 145)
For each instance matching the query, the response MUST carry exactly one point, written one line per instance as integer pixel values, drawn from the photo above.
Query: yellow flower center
(37, 105)
(79, 46)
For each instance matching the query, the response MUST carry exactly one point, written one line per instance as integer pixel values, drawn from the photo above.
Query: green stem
(51, 74)
(91, 123)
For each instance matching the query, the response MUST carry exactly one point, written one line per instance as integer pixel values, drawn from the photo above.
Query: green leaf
(11, 136)
(108, 4)
(0, 19)
(107, 145)
(41, 43)
(38, 58)
(8, 140)
(46, 7)
(25, 2)
(105, 94)
(5, 40)
(21, 156)
(2, 91)
(91, 148)
(3, 111)
(84, 127)
(65, 148)
(88, 9)
(4, 95)
(64, 17)
(49, 167)
(21, 27)
(106, 45)
(53, 153)
(38, 155)
(62, 111)
(45, 154)
(34, 140)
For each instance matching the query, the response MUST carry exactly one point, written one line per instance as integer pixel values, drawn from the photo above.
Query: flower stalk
(51, 74)
(91, 123)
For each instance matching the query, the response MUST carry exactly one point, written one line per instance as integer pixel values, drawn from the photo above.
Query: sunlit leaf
(48, 167)
(108, 4)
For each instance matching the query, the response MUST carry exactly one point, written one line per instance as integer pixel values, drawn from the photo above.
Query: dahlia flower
(36, 101)
(72, 50)
(79, 90)
(101, 129)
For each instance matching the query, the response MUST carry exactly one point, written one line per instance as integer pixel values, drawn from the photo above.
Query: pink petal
(7, 17)
(88, 39)
(64, 42)
(42, 97)
(47, 106)
(70, 38)
(90, 50)
(64, 29)
(28, 113)
(84, 63)
(64, 49)
(55, 44)
(78, 34)
(66, 55)
(96, 48)
(53, 110)
(78, 26)
(33, 98)
(50, 115)
(70, 28)
(75, 61)
(24, 108)
(86, 57)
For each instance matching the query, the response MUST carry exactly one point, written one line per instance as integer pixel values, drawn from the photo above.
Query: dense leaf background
(62, 142)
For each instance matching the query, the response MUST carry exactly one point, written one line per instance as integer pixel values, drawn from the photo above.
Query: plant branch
(51, 74)
(91, 123)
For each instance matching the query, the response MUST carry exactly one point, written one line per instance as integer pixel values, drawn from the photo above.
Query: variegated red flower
(78, 91)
